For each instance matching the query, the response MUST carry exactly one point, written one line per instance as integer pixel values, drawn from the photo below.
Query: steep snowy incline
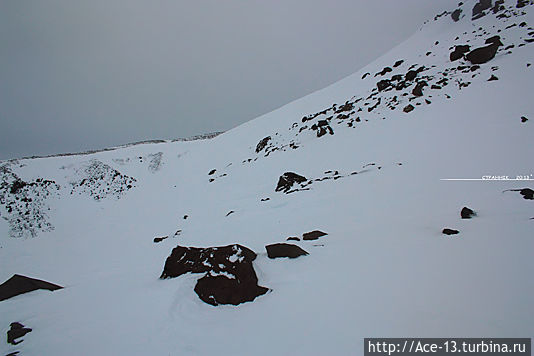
(373, 165)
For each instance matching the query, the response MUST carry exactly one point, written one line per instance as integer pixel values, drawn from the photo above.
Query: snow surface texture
(373, 164)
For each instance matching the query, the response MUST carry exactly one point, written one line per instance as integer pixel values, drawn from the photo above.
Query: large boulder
(21, 284)
(284, 250)
(229, 276)
(286, 181)
(482, 54)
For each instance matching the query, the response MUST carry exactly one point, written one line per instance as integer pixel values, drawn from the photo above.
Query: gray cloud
(77, 75)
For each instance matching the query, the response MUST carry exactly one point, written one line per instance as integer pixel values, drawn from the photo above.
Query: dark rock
(447, 231)
(411, 75)
(434, 86)
(456, 15)
(287, 180)
(18, 284)
(527, 193)
(418, 90)
(365, 75)
(482, 54)
(212, 172)
(293, 238)
(523, 119)
(17, 185)
(458, 52)
(383, 84)
(313, 235)
(230, 212)
(216, 290)
(384, 71)
(185, 217)
(521, 3)
(492, 78)
(284, 250)
(398, 63)
(218, 264)
(480, 6)
(265, 199)
(17, 331)
(159, 239)
(467, 213)
(408, 108)
(496, 40)
(261, 145)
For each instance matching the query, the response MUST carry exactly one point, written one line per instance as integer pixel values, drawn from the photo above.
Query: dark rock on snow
(261, 145)
(418, 90)
(492, 78)
(293, 238)
(408, 108)
(313, 235)
(447, 231)
(18, 284)
(159, 239)
(482, 54)
(17, 331)
(383, 84)
(212, 172)
(284, 250)
(523, 119)
(287, 180)
(229, 274)
(467, 213)
(456, 15)
(458, 52)
(398, 63)
(480, 6)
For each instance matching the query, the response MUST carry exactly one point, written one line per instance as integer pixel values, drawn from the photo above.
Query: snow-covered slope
(373, 170)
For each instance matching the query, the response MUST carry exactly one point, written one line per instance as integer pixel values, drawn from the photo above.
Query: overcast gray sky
(79, 75)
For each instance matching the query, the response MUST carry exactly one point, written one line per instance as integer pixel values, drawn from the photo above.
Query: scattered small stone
(313, 235)
(467, 213)
(159, 239)
(398, 63)
(230, 212)
(523, 119)
(492, 78)
(212, 172)
(408, 108)
(293, 238)
(265, 199)
(448, 231)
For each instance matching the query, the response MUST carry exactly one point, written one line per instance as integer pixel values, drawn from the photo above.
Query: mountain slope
(373, 183)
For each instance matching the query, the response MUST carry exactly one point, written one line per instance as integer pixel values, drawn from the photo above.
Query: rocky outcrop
(18, 284)
(287, 180)
(261, 145)
(17, 331)
(284, 250)
(229, 276)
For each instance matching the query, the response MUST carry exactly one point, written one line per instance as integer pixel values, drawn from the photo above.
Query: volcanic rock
(284, 250)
